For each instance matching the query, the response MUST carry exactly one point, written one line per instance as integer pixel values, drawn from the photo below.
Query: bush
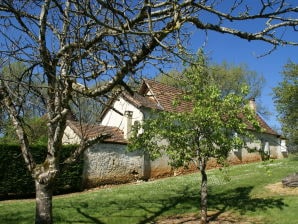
(16, 181)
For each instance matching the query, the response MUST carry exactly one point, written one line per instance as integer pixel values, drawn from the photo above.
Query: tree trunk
(204, 192)
(44, 193)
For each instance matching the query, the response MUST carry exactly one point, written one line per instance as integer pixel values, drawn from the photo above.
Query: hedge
(16, 181)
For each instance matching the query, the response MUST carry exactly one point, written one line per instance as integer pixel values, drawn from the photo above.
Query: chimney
(252, 105)
(127, 131)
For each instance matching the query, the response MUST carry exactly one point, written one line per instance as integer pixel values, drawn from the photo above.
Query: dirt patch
(223, 218)
(279, 189)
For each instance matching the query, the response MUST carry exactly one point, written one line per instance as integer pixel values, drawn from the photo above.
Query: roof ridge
(152, 92)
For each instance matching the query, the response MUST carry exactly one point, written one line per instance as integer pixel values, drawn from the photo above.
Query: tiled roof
(156, 95)
(164, 96)
(265, 127)
(90, 131)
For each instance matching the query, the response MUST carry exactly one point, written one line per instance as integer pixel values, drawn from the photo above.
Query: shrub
(15, 179)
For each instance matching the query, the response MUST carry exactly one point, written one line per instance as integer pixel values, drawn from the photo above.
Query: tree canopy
(29, 106)
(286, 100)
(228, 77)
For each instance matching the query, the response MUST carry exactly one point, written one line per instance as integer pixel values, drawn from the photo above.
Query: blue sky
(224, 47)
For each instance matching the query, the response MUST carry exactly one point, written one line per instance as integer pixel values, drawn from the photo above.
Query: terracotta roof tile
(89, 131)
(265, 127)
(164, 96)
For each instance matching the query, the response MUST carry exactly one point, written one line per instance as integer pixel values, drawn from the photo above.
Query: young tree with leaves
(214, 124)
(94, 47)
(286, 100)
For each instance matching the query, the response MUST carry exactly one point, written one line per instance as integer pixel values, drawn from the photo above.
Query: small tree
(213, 126)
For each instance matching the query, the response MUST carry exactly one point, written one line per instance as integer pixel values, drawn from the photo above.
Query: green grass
(244, 195)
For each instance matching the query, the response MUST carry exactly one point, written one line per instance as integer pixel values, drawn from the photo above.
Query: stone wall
(160, 167)
(112, 164)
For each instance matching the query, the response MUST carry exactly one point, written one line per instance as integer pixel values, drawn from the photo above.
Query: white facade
(113, 118)
(70, 137)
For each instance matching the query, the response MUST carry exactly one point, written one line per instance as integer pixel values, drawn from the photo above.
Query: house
(109, 162)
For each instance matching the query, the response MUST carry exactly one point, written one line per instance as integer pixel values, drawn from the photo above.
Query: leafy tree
(215, 124)
(94, 47)
(172, 78)
(29, 106)
(231, 78)
(286, 100)
(36, 129)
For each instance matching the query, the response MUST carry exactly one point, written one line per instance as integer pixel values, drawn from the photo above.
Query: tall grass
(244, 195)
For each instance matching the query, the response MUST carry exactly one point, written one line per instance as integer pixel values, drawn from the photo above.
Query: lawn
(244, 197)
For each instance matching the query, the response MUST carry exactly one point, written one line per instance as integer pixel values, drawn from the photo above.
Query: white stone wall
(160, 167)
(110, 164)
(267, 144)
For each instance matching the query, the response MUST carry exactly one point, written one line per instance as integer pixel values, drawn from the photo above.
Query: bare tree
(94, 47)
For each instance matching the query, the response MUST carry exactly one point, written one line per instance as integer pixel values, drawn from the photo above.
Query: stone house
(109, 162)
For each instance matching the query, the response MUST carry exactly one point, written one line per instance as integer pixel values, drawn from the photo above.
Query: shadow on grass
(239, 199)
(184, 200)
(145, 209)
(92, 219)
(140, 209)
(293, 157)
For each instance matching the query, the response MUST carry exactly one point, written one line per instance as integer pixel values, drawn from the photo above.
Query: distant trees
(36, 129)
(93, 48)
(228, 77)
(216, 123)
(28, 105)
(231, 78)
(286, 100)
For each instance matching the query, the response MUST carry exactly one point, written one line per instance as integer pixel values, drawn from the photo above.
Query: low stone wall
(160, 167)
(111, 164)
